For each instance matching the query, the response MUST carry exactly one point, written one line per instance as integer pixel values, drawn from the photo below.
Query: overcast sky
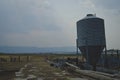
(52, 23)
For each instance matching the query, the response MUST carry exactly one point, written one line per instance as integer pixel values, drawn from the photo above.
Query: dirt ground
(36, 66)
(40, 68)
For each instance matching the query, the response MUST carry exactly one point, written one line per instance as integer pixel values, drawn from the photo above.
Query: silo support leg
(94, 67)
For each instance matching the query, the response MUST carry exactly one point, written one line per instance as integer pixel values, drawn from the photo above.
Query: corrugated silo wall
(91, 31)
(91, 38)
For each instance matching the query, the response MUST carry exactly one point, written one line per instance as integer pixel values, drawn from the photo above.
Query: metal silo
(91, 38)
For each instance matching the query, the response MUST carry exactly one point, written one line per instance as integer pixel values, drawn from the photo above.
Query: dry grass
(8, 65)
(43, 68)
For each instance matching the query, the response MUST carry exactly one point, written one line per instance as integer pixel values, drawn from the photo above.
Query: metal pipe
(118, 58)
(106, 60)
(77, 52)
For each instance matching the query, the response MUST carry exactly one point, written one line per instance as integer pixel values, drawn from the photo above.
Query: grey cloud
(109, 4)
(21, 16)
(36, 22)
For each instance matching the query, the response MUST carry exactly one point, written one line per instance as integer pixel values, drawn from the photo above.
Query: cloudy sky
(52, 23)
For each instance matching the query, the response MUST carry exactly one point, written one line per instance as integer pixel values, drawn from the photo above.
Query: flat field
(14, 62)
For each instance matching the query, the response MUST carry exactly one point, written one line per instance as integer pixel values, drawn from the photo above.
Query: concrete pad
(58, 74)
(65, 73)
(34, 67)
(21, 70)
(19, 74)
(31, 77)
(19, 79)
(39, 79)
(78, 79)
(33, 70)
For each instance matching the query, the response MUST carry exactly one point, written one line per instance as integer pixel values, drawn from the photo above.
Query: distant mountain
(36, 49)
